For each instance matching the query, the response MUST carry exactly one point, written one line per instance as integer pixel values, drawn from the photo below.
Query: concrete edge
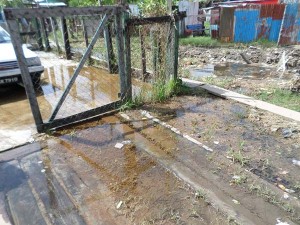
(224, 93)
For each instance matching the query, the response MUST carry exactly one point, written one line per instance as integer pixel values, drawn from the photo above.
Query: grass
(202, 41)
(223, 82)
(264, 43)
(159, 92)
(270, 196)
(200, 194)
(280, 97)
(237, 156)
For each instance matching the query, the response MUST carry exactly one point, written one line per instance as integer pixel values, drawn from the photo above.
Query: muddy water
(93, 88)
(233, 70)
(82, 178)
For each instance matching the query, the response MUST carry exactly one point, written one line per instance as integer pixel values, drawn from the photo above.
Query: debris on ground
(296, 162)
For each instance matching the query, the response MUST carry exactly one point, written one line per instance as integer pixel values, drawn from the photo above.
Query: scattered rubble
(267, 56)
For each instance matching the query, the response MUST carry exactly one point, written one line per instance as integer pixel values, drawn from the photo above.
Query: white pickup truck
(9, 68)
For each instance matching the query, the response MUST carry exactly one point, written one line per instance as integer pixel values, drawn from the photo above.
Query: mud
(264, 71)
(81, 178)
(257, 145)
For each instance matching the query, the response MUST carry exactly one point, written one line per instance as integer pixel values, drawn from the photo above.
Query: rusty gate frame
(119, 13)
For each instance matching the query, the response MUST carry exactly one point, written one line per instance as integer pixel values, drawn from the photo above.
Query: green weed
(199, 41)
(238, 157)
(281, 97)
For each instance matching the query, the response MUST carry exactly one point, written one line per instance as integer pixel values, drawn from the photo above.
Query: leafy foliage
(11, 4)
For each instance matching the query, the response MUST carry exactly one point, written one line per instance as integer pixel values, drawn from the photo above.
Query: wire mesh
(101, 44)
(152, 51)
(70, 37)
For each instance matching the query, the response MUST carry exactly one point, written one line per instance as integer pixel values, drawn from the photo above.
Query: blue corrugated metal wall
(245, 25)
(276, 22)
(290, 33)
(275, 30)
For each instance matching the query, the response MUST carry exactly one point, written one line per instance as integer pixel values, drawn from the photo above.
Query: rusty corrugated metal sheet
(278, 11)
(269, 23)
(226, 24)
(266, 11)
(290, 32)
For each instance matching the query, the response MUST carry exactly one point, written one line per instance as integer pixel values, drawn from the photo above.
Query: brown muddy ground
(159, 177)
(81, 178)
(250, 146)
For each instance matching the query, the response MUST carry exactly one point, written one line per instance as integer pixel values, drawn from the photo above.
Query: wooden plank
(244, 99)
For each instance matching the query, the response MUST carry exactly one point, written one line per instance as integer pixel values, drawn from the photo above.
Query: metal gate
(77, 96)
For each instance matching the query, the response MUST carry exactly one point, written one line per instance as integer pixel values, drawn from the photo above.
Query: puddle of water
(93, 88)
(83, 177)
(229, 70)
(206, 71)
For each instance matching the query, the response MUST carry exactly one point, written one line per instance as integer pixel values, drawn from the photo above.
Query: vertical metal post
(111, 58)
(127, 57)
(169, 6)
(85, 33)
(143, 51)
(54, 34)
(39, 35)
(16, 41)
(176, 47)
(45, 34)
(86, 39)
(65, 35)
(125, 78)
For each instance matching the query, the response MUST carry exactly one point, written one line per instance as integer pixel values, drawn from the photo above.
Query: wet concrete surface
(79, 176)
(82, 178)
(157, 177)
(93, 88)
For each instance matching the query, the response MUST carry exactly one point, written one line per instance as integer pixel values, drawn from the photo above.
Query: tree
(11, 3)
